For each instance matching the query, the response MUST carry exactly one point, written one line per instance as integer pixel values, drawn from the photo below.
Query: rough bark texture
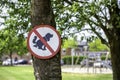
(115, 41)
(49, 69)
(113, 35)
(115, 56)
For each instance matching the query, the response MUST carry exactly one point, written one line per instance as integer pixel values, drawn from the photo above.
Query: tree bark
(115, 56)
(113, 35)
(11, 62)
(49, 69)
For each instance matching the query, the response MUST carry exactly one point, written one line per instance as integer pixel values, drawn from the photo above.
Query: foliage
(92, 16)
(68, 59)
(67, 43)
(10, 42)
(103, 57)
(16, 23)
(17, 15)
(7, 41)
(71, 17)
(96, 45)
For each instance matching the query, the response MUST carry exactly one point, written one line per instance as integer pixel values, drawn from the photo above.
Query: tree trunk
(11, 62)
(114, 38)
(115, 56)
(49, 69)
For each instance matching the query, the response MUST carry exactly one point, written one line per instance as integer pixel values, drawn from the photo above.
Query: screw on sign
(43, 41)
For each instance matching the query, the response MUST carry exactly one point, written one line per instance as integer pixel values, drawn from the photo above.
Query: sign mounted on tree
(43, 41)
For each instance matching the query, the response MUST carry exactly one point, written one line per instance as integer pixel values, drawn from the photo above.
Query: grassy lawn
(26, 73)
(70, 76)
(16, 73)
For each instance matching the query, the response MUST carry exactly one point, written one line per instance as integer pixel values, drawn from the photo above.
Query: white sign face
(43, 41)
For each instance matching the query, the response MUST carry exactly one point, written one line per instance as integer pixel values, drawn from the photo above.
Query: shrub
(103, 57)
(68, 59)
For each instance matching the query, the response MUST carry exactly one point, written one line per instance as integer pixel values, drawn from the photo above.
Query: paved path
(78, 69)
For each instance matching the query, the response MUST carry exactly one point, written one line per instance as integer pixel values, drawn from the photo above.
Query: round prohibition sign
(43, 41)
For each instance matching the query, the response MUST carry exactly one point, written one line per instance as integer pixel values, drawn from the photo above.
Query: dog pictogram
(39, 44)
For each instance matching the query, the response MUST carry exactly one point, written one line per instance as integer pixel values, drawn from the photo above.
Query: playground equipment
(94, 58)
(91, 60)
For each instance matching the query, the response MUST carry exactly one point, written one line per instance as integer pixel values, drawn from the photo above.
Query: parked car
(8, 62)
(22, 61)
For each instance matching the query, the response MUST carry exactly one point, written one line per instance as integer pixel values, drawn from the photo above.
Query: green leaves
(71, 16)
(17, 23)
(75, 15)
(96, 45)
(18, 14)
(10, 42)
(69, 43)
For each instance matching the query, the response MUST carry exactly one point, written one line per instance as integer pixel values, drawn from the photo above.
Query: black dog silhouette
(39, 43)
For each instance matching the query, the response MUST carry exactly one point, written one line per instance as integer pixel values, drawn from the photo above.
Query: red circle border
(41, 57)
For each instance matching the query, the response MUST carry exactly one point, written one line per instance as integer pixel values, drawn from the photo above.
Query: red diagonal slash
(44, 42)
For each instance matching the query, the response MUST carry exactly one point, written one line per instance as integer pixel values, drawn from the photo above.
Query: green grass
(16, 73)
(70, 76)
(26, 73)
